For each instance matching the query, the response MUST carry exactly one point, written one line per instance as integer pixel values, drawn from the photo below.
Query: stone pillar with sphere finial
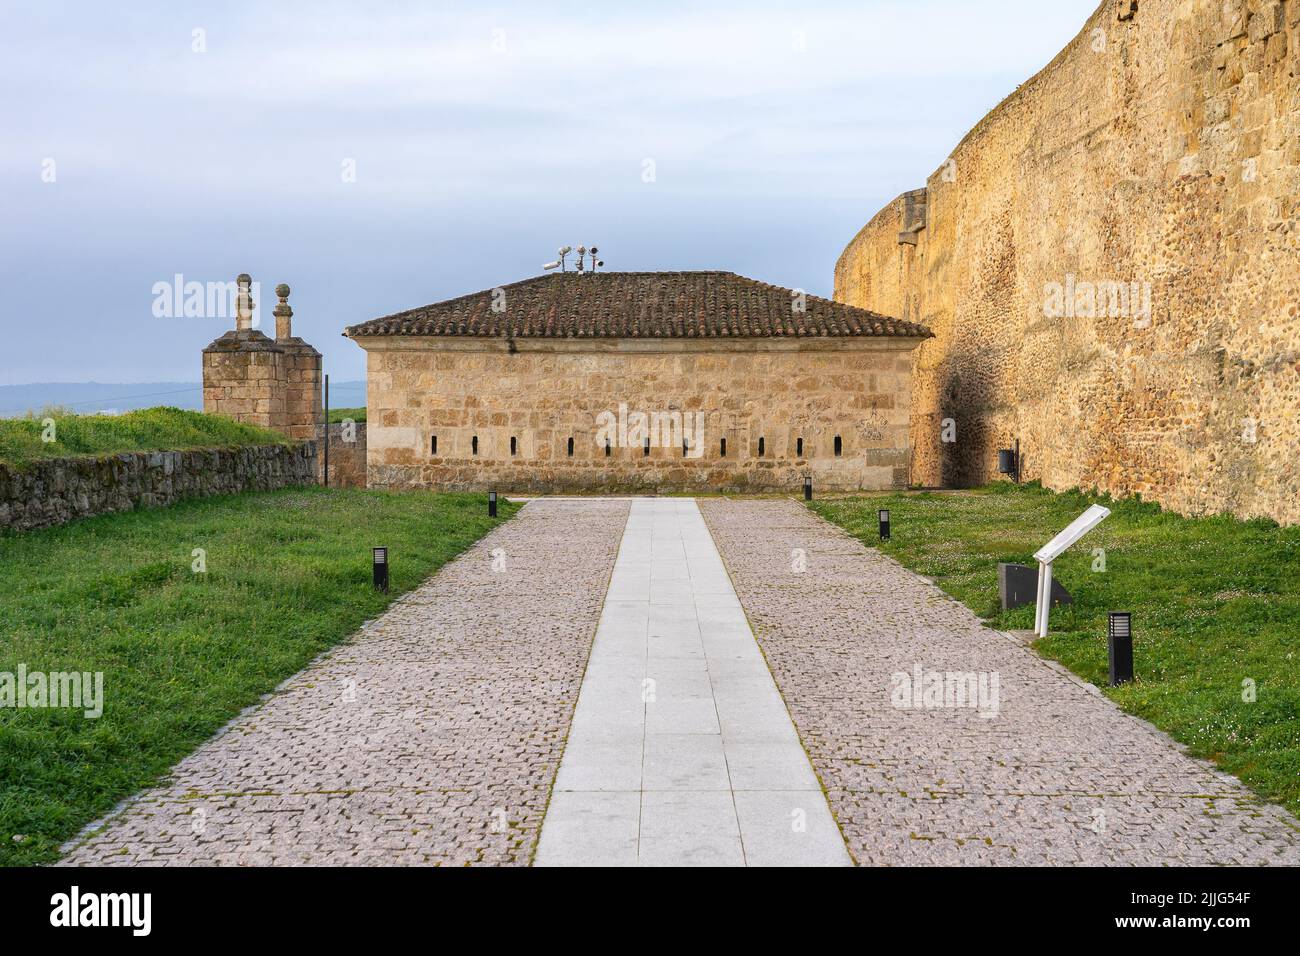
(244, 371)
(302, 367)
(244, 302)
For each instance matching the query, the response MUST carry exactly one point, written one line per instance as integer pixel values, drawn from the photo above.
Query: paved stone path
(435, 735)
(431, 738)
(1058, 776)
(681, 750)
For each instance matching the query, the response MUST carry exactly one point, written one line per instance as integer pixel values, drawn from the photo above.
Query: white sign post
(1051, 551)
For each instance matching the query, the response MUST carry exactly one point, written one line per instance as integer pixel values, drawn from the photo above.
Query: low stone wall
(347, 455)
(59, 490)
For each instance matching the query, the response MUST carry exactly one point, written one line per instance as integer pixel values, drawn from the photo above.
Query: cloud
(481, 136)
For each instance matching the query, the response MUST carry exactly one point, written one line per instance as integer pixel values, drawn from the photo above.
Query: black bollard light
(381, 569)
(1119, 644)
(807, 487)
(884, 524)
(492, 504)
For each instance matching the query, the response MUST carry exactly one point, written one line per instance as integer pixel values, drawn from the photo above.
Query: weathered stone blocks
(274, 383)
(59, 490)
(1178, 172)
(476, 397)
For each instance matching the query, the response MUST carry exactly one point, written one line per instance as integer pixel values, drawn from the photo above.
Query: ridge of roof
(640, 304)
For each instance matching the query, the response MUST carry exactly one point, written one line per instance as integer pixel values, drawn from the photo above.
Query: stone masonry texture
(1058, 776)
(347, 454)
(432, 737)
(1160, 147)
(59, 490)
(275, 383)
(542, 394)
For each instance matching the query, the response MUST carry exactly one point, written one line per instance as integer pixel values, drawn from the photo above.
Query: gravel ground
(1053, 774)
(432, 737)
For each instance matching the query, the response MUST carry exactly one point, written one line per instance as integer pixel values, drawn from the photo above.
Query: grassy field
(356, 414)
(288, 574)
(22, 440)
(1215, 602)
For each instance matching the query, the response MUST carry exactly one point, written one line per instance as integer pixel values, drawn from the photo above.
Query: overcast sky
(744, 136)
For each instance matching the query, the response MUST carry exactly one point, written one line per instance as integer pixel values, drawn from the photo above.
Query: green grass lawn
(356, 414)
(288, 575)
(1215, 602)
(22, 440)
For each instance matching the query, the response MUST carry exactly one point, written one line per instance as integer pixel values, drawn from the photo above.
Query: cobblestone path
(433, 737)
(1054, 774)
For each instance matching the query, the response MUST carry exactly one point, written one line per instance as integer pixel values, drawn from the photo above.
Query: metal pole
(1045, 599)
(325, 472)
(1017, 461)
(1038, 604)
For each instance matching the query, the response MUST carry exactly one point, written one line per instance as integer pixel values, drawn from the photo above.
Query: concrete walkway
(681, 750)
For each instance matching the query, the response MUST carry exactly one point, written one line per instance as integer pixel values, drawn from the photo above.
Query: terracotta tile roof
(638, 305)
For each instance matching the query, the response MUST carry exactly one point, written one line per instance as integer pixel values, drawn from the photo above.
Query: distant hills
(89, 398)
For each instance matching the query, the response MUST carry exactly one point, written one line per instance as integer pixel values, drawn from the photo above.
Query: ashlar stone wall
(503, 415)
(1110, 262)
(274, 383)
(347, 455)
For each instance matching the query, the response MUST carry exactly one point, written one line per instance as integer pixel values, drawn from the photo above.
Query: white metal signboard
(1049, 552)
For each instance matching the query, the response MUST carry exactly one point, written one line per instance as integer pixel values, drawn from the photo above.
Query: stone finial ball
(282, 291)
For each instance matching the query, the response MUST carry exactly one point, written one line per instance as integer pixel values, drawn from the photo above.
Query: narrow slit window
(798, 447)
(514, 444)
(723, 448)
(473, 445)
(647, 448)
(607, 449)
(433, 445)
(839, 446)
(760, 448)
(570, 447)
(686, 448)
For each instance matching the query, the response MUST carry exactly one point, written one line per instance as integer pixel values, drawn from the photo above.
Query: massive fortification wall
(1158, 154)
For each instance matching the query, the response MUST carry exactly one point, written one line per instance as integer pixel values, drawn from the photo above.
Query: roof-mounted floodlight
(1049, 552)
(552, 265)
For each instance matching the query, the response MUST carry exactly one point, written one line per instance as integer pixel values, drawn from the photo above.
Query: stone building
(1110, 262)
(605, 381)
(275, 383)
